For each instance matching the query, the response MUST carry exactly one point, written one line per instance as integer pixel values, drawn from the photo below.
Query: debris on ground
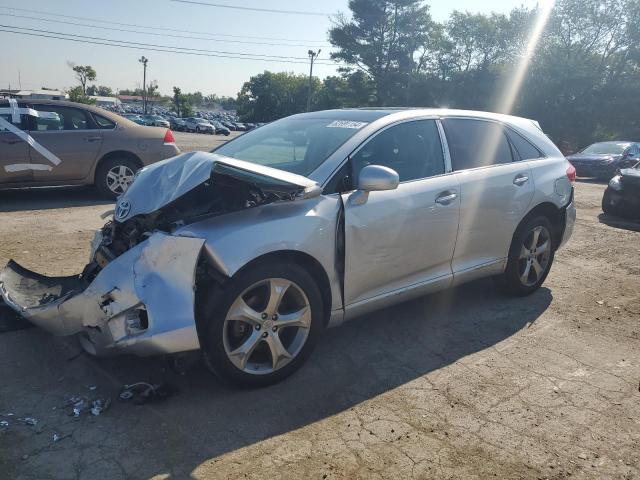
(98, 406)
(4, 423)
(28, 421)
(143, 392)
(57, 436)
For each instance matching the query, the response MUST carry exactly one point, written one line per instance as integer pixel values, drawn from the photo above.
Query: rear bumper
(141, 303)
(569, 222)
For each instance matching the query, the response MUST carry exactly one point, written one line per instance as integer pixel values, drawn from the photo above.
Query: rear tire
(530, 258)
(114, 176)
(225, 339)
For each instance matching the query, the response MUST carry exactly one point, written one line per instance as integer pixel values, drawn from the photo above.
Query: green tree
(84, 74)
(77, 95)
(269, 96)
(99, 91)
(388, 39)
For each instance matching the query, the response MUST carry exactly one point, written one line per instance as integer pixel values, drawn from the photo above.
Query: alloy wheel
(119, 178)
(535, 253)
(267, 326)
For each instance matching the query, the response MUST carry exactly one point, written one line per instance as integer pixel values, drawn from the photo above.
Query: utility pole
(144, 60)
(312, 55)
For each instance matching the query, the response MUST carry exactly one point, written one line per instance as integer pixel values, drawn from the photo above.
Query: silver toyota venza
(250, 251)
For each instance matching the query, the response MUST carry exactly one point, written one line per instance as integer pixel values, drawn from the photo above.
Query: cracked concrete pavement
(463, 384)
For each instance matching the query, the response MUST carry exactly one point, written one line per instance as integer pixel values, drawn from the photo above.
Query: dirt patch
(462, 384)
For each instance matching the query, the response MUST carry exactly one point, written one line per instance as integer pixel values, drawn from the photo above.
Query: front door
(401, 240)
(72, 137)
(14, 152)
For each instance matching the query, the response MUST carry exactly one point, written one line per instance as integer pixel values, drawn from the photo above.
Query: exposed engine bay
(226, 191)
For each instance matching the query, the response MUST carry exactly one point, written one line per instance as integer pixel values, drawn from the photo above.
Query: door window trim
(443, 145)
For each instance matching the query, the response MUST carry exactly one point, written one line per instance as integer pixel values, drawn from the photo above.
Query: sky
(31, 62)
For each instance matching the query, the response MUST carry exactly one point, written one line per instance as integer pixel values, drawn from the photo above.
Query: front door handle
(11, 141)
(92, 139)
(520, 179)
(445, 198)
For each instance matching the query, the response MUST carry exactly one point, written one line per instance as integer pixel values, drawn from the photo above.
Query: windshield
(605, 148)
(296, 145)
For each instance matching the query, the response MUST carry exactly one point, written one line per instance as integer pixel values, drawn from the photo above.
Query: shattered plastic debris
(99, 406)
(4, 423)
(143, 392)
(29, 421)
(92, 387)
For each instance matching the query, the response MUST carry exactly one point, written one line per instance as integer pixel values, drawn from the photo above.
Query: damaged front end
(137, 294)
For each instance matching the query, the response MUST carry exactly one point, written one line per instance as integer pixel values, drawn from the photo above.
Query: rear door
(14, 152)
(496, 190)
(73, 137)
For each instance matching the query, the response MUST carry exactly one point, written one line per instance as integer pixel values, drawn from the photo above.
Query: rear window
(476, 143)
(104, 123)
(523, 147)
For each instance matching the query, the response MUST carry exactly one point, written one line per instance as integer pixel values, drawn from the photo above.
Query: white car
(249, 252)
(198, 125)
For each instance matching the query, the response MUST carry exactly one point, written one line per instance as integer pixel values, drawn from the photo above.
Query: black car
(622, 196)
(603, 159)
(221, 129)
(177, 124)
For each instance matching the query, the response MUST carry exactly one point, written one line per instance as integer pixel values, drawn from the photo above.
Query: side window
(412, 149)
(476, 143)
(523, 147)
(65, 118)
(22, 124)
(104, 123)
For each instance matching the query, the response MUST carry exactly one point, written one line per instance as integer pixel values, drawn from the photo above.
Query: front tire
(530, 257)
(114, 176)
(609, 205)
(263, 325)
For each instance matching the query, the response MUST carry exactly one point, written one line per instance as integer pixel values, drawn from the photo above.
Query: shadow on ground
(206, 419)
(618, 222)
(44, 198)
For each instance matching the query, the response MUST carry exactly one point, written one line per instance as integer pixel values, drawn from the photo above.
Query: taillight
(168, 138)
(571, 173)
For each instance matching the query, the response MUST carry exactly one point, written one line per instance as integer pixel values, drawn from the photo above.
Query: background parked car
(177, 124)
(156, 121)
(622, 196)
(603, 159)
(135, 118)
(221, 129)
(199, 125)
(95, 147)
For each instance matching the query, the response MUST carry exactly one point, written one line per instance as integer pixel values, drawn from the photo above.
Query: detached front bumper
(142, 302)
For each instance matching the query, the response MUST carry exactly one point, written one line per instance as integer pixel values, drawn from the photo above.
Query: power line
(148, 33)
(154, 45)
(39, 12)
(254, 9)
(134, 46)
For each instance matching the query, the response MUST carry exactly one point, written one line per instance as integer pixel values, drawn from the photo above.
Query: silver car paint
(375, 277)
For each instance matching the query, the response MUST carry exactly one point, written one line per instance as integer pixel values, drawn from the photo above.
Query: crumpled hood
(163, 182)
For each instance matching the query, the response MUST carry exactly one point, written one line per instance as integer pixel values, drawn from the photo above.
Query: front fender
(306, 226)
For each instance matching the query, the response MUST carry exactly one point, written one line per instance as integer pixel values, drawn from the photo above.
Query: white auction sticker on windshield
(346, 124)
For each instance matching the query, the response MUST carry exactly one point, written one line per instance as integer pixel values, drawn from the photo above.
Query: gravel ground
(462, 384)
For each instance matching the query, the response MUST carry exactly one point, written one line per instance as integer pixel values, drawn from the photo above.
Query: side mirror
(374, 178)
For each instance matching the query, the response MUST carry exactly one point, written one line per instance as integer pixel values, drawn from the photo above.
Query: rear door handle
(92, 139)
(520, 179)
(445, 198)
(11, 141)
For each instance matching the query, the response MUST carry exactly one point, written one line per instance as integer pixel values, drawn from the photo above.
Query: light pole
(144, 60)
(312, 55)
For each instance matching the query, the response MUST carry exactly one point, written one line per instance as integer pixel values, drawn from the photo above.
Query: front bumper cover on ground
(141, 302)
